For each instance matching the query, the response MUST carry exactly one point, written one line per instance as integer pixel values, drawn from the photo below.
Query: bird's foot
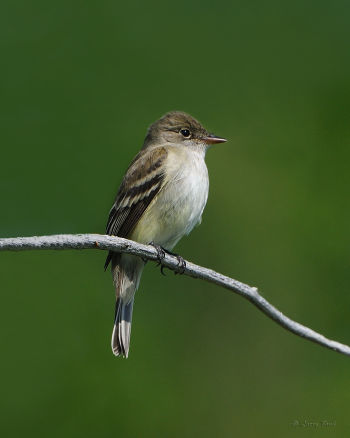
(181, 265)
(161, 255)
(181, 262)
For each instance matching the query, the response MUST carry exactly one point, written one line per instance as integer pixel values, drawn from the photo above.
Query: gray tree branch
(117, 244)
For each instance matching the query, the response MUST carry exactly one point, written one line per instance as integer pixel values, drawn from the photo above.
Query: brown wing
(142, 182)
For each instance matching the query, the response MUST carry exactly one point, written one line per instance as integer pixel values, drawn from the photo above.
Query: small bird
(161, 198)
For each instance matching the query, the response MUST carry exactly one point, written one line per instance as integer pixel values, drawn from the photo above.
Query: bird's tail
(122, 328)
(126, 272)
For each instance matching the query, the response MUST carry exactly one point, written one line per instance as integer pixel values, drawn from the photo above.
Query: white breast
(180, 204)
(184, 198)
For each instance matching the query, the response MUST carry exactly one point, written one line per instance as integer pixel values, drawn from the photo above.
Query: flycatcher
(161, 198)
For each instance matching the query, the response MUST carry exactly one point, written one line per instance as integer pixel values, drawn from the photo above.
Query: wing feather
(142, 181)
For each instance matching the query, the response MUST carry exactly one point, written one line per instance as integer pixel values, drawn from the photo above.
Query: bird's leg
(160, 255)
(181, 262)
(160, 252)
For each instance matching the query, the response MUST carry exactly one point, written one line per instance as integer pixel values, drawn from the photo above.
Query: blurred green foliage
(81, 81)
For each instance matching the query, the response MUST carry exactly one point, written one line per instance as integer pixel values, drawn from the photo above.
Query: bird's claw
(161, 255)
(160, 252)
(181, 265)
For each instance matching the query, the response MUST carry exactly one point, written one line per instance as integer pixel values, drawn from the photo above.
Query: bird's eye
(185, 132)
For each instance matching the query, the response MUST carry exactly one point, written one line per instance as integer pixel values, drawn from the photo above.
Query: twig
(117, 244)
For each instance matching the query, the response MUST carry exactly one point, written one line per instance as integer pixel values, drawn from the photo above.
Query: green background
(80, 83)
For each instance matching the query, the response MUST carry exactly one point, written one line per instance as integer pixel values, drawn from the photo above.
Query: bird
(161, 198)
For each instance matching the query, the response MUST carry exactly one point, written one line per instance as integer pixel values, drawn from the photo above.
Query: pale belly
(177, 208)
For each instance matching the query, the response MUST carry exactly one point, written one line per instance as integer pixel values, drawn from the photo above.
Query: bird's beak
(213, 139)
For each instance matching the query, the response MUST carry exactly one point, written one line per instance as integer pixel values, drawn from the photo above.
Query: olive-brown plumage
(161, 198)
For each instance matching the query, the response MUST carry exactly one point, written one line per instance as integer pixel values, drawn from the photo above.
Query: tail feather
(122, 328)
(126, 271)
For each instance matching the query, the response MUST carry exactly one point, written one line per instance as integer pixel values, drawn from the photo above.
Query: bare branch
(117, 244)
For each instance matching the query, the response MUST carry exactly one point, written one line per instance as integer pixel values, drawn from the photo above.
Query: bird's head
(180, 129)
